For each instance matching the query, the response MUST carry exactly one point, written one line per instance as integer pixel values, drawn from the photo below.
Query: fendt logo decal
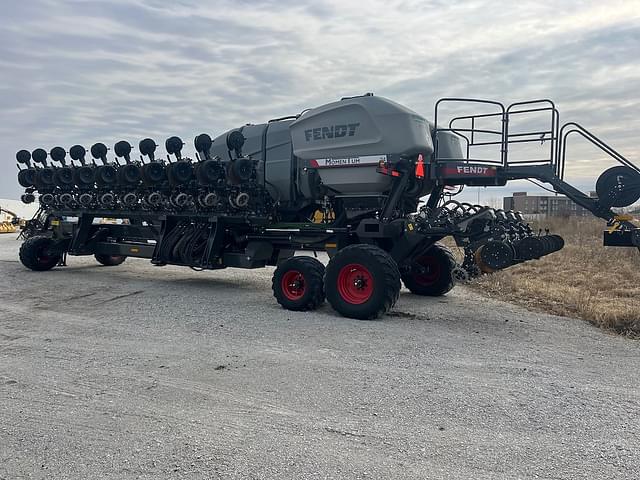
(333, 131)
(468, 170)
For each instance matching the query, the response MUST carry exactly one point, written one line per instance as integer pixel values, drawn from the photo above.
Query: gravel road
(151, 372)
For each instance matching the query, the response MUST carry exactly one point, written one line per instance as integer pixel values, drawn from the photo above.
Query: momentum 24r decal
(348, 162)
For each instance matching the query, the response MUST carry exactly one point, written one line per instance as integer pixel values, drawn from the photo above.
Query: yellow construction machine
(9, 221)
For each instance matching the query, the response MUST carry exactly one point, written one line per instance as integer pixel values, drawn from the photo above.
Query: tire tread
(29, 253)
(314, 279)
(449, 263)
(108, 260)
(390, 274)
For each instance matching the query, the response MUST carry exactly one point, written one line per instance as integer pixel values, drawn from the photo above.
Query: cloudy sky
(86, 71)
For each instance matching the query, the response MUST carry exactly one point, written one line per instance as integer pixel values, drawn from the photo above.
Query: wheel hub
(360, 283)
(426, 270)
(293, 285)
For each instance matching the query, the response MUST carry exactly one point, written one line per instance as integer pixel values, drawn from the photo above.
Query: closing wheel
(362, 281)
(298, 283)
(431, 273)
(38, 253)
(110, 260)
(460, 275)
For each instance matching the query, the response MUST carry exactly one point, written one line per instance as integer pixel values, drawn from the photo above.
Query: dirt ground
(160, 372)
(584, 279)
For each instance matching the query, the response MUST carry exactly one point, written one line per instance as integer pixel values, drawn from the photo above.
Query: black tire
(362, 281)
(36, 254)
(110, 260)
(307, 290)
(438, 278)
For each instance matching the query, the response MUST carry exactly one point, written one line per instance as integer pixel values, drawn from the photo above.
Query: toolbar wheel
(432, 273)
(39, 254)
(110, 260)
(298, 283)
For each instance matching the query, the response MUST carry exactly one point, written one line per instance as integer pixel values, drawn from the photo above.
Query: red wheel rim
(355, 284)
(292, 285)
(431, 273)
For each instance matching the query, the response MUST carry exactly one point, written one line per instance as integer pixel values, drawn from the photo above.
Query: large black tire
(298, 283)
(110, 260)
(362, 281)
(35, 254)
(437, 277)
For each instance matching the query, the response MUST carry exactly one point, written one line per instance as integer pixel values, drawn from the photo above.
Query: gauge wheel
(298, 283)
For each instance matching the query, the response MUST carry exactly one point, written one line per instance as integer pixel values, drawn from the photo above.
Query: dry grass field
(586, 280)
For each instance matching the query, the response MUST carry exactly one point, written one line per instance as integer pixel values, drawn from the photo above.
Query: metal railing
(506, 137)
(572, 127)
(556, 136)
(473, 131)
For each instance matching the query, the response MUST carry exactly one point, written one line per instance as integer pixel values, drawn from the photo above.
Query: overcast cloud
(86, 71)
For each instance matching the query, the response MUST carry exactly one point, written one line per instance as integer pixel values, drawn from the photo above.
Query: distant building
(548, 205)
